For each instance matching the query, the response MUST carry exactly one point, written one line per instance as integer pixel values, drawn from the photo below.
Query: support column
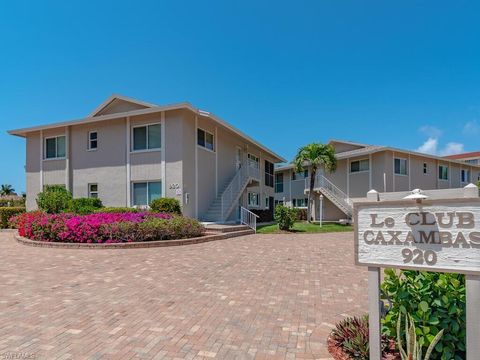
(374, 326)
(473, 316)
(127, 138)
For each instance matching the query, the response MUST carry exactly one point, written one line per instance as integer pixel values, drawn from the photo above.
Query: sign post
(417, 233)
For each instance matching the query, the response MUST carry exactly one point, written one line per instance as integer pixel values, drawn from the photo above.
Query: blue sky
(404, 74)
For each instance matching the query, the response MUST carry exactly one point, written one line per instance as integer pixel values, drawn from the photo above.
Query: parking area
(252, 297)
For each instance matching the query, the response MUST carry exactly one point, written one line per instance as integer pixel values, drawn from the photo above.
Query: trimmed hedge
(285, 217)
(167, 205)
(12, 203)
(84, 206)
(8, 212)
(116, 210)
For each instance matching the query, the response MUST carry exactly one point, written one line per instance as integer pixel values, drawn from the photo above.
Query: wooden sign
(436, 235)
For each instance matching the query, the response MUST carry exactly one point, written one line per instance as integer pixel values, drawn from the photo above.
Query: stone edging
(131, 245)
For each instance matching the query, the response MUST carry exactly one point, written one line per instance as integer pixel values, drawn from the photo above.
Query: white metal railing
(248, 218)
(322, 182)
(232, 191)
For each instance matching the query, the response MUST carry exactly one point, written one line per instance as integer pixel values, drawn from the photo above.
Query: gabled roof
(467, 155)
(371, 149)
(116, 98)
(149, 109)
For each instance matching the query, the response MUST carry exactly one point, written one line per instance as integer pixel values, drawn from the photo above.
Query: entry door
(239, 158)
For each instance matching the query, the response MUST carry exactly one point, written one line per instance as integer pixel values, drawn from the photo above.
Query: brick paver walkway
(254, 297)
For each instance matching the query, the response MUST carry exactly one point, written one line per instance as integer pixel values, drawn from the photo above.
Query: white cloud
(452, 148)
(471, 128)
(429, 146)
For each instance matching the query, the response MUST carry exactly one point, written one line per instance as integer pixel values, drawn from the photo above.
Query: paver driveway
(254, 297)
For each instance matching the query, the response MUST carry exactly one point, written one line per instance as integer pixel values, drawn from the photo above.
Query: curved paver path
(252, 297)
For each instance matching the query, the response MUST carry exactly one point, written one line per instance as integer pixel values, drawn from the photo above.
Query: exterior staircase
(332, 193)
(228, 197)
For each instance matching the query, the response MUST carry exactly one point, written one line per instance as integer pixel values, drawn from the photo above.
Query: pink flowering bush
(105, 227)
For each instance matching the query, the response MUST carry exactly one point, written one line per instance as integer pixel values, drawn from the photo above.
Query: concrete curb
(132, 245)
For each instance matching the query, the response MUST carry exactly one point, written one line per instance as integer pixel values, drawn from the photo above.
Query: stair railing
(248, 218)
(322, 182)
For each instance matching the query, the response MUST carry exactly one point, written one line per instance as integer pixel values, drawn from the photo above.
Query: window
(269, 174)
(253, 161)
(278, 202)
(205, 139)
(400, 166)
(299, 202)
(465, 177)
(252, 199)
(93, 191)
(55, 147)
(359, 165)
(299, 176)
(145, 192)
(425, 168)
(147, 137)
(472, 161)
(92, 140)
(267, 202)
(443, 172)
(279, 183)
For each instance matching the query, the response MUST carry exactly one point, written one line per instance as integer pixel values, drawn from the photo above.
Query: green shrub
(435, 301)
(54, 199)
(351, 335)
(116, 210)
(285, 217)
(6, 213)
(167, 205)
(84, 206)
(12, 203)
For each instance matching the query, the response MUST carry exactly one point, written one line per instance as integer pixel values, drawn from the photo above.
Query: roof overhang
(155, 109)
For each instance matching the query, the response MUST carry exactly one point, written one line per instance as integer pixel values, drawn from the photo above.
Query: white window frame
(425, 168)
(132, 138)
(468, 178)
(438, 174)
(267, 202)
(257, 196)
(275, 183)
(89, 147)
(132, 196)
(406, 166)
(204, 147)
(56, 147)
(90, 191)
(359, 171)
(304, 200)
(253, 158)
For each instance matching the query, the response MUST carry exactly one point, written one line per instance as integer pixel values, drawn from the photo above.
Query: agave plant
(413, 350)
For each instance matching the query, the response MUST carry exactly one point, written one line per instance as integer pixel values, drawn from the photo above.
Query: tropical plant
(413, 349)
(8, 212)
(435, 301)
(285, 217)
(168, 205)
(351, 335)
(6, 189)
(54, 199)
(315, 156)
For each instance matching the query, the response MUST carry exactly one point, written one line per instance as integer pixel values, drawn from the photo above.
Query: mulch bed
(338, 353)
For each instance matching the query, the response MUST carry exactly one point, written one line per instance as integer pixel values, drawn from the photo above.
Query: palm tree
(6, 189)
(315, 155)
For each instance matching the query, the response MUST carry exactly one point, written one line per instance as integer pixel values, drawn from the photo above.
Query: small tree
(315, 155)
(285, 217)
(54, 199)
(6, 189)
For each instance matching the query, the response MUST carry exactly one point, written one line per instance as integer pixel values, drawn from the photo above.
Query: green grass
(305, 227)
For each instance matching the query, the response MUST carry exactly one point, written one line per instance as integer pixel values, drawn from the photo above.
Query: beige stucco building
(364, 167)
(128, 152)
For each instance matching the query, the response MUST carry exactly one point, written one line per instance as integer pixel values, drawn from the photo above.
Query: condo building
(128, 152)
(363, 167)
